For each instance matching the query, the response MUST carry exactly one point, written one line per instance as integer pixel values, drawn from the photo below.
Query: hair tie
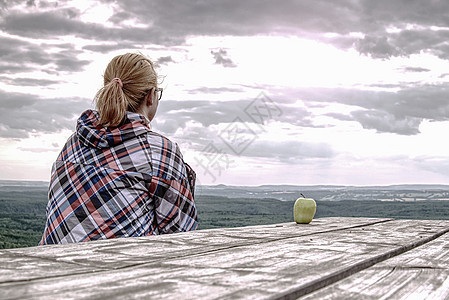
(118, 81)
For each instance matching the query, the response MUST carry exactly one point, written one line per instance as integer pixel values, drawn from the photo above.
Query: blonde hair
(136, 76)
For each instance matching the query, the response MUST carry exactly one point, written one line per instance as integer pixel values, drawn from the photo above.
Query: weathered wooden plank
(421, 273)
(57, 260)
(291, 259)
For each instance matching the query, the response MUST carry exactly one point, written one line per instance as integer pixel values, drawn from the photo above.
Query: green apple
(304, 210)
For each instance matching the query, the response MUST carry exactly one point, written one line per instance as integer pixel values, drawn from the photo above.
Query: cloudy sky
(351, 92)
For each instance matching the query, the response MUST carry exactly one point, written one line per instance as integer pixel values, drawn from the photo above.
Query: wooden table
(331, 258)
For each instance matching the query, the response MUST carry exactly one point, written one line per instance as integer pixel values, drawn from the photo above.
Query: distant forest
(22, 212)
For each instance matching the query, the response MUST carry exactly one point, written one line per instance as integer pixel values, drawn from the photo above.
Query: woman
(115, 177)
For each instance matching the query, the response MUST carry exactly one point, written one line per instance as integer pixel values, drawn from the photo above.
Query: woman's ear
(149, 98)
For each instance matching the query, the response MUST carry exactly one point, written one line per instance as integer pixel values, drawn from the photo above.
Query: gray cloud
(63, 22)
(405, 42)
(305, 19)
(5, 4)
(104, 48)
(237, 138)
(204, 112)
(241, 17)
(221, 58)
(396, 112)
(164, 60)
(27, 81)
(378, 47)
(170, 22)
(208, 90)
(340, 116)
(48, 24)
(435, 164)
(289, 151)
(415, 69)
(414, 21)
(385, 122)
(383, 28)
(22, 114)
(119, 17)
(21, 56)
(192, 123)
(173, 114)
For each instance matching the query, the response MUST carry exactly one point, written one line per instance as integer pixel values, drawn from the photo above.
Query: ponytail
(127, 79)
(111, 104)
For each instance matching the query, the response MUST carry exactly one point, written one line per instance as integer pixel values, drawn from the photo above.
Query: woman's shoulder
(164, 143)
(159, 138)
(167, 158)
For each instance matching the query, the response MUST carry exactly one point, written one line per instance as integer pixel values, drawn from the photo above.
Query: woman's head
(127, 80)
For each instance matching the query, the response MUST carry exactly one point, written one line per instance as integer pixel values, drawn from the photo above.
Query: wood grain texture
(421, 273)
(121, 253)
(259, 262)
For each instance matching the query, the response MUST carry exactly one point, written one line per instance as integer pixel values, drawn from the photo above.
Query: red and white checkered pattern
(118, 182)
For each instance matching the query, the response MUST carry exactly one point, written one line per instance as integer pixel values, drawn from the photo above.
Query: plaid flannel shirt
(118, 182)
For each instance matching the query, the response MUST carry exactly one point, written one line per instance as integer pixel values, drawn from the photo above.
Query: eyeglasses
(158, 92)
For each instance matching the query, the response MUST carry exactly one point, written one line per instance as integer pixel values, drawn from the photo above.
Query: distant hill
(411, 192)
(23, 204)
(292, 192)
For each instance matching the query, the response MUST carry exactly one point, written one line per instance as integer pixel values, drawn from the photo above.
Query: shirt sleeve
(191, 177)
(172, 188)
(174, 206)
